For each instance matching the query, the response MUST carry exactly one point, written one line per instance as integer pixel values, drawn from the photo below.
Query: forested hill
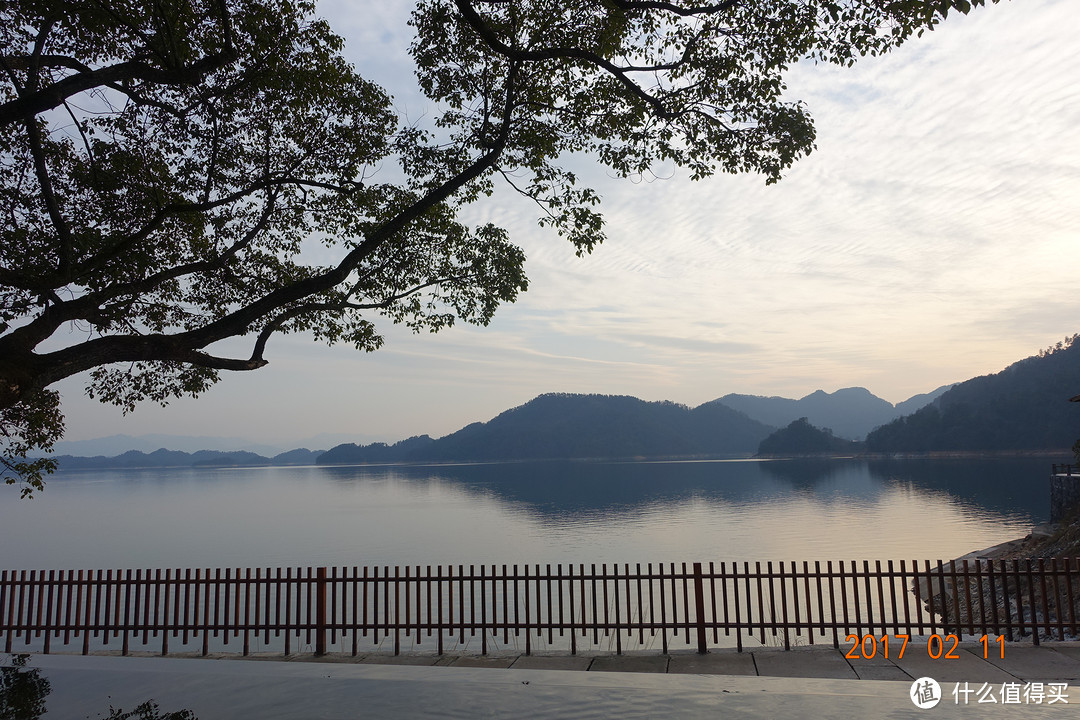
(581, 426)
(1024, 407)
(800, 438)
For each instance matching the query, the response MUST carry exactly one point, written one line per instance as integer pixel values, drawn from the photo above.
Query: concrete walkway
(1049, 662)
(232, 689)
(806, 682)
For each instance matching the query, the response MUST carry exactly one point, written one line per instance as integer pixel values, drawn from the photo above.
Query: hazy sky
(933, 236)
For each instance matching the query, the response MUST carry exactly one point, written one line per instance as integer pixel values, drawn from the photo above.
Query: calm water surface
(523, 512)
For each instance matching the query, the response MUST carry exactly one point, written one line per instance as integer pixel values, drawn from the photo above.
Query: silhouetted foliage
(149, 710)
(22, 690)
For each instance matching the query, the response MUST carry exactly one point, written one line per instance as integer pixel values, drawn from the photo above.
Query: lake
(551, 512)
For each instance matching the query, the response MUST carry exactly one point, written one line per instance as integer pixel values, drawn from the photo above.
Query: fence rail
(695, 605)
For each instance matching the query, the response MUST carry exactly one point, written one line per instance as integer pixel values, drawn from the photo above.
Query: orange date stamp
(938, 647)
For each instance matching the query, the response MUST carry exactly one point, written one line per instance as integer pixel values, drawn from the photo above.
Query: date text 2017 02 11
(867, 647)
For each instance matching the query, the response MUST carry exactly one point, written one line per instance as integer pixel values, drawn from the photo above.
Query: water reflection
(808, 473)
(524, 512)
(565, 490)
(786, 509)
(1004, 485)
(24, 690)
(149, 710)
(570, 489)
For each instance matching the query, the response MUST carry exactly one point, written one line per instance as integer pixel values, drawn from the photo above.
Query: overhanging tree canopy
(164, 164)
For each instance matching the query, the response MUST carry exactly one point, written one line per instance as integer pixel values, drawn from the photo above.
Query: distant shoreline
(230, 460)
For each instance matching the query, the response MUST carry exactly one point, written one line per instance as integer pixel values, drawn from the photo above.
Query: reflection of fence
(628, 606)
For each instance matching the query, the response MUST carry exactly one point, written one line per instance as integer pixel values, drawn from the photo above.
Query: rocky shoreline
(996, 588)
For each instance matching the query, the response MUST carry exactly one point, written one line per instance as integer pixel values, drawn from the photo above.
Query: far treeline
(1023, 408)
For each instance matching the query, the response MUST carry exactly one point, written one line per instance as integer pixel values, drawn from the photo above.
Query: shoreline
(82, 463)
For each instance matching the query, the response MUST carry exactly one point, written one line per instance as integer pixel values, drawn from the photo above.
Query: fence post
(699, 602)
(320, 611)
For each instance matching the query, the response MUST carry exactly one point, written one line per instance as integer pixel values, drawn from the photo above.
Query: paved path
(1049, 662)
(335, 689)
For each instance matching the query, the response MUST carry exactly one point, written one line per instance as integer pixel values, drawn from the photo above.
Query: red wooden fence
(692, 605)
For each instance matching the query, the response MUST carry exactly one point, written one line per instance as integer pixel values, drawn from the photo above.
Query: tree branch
(676, 9)
(124, 245)
(275, 324)
(26, 62)
(31, 103)
(242, 318)
(473, 19)
(88, 307)
(63, 230)
(184, 347)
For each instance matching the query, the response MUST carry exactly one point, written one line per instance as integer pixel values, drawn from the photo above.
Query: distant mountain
(850, 412)
(325, 440)
(162, 458)
(916, 402)
(350, 453)
(1022, 408)
(299, 456)
(114, 445)
(580, 426)
(801, 439)
(175, 458)
(119, 444)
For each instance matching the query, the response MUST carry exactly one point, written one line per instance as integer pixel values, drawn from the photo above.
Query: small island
(801, 439)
